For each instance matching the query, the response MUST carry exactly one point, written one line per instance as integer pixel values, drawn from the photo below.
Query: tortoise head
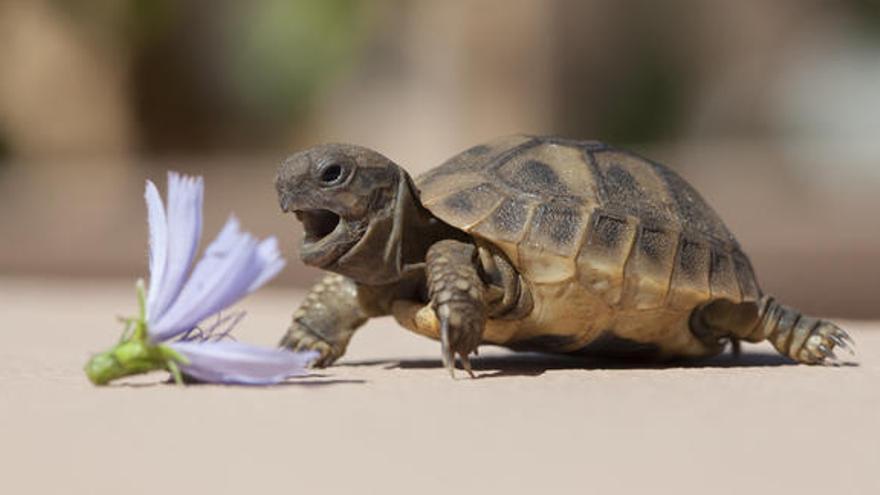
(346, 197)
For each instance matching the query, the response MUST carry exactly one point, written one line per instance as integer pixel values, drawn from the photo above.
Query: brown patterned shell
(626, 228)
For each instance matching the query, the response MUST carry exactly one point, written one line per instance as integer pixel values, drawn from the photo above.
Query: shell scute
(649, 268)
(746, 277)
(634, 189)
(723, 281)
(550, 171)
(468, 206)
(690, 276)
(507, 222)
(603, 256)
(548, 252)
(557, 228)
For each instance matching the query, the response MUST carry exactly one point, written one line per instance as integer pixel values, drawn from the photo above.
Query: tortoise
(532, 243)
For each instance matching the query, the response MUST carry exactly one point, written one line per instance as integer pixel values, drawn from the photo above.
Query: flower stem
(140, 329)
(135, 354)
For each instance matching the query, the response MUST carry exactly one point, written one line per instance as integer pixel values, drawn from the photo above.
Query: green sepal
(135, 353)
(140, 324)
(130, 357)
(134, 357)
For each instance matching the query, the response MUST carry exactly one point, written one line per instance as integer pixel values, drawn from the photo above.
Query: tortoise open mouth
(326, 236)
(317, 223)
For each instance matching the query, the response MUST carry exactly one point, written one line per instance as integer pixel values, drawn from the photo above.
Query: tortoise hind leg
(802, 338)
(805, 339)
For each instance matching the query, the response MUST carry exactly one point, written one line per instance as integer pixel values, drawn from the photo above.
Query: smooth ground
(389, 419)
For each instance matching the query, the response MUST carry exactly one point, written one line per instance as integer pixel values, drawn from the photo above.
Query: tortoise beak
(287, 202)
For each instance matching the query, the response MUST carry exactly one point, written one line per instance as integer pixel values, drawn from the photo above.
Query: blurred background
(771, 109)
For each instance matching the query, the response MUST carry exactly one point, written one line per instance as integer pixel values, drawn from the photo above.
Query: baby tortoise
(533, 243)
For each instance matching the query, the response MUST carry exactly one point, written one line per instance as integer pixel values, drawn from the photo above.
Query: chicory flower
(165, 335)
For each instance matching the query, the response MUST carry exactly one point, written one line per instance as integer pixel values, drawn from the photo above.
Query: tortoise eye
(332, 174)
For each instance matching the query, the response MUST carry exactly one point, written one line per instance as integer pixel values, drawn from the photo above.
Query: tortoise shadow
(536, 364)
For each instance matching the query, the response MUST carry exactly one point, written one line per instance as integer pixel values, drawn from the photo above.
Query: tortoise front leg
(326, 320)
(457, 295)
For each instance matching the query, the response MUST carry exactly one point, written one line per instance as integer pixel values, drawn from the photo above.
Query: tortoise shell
(579, 219)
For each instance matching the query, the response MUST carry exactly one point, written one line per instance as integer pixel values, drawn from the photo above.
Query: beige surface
(391, 421)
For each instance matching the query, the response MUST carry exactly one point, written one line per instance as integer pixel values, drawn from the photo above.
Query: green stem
(140, 329)
(135, 353)
(175, 371)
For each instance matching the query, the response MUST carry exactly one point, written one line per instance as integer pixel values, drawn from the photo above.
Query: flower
(234, 265)
(227, 361)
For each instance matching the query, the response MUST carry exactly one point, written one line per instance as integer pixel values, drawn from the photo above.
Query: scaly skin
(805, 339)
(457, 298)
(326, 320)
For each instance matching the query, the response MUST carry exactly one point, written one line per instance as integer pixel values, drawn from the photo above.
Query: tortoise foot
(299, 338)
(457, 299)
(823, 342)
(805, 339)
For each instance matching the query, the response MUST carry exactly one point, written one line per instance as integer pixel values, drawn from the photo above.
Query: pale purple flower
(234, 265)
(227, 361)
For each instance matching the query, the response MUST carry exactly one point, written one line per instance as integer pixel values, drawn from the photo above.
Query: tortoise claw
(825, 352)
(452, 345)
(466, 364)
(843, 341)
(825, 343)
(445, 349)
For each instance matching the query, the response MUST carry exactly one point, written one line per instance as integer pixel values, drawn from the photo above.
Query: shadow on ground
(535, 364)
(316, 380)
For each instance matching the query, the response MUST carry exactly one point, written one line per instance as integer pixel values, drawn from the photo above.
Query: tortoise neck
(395, 241)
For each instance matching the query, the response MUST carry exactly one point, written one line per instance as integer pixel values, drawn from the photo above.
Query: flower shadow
(310, 381)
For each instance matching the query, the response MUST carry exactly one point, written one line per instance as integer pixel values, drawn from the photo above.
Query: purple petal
(237, 363)
(158, 241)
(233, 265)
(184, 229)
(272, 261)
